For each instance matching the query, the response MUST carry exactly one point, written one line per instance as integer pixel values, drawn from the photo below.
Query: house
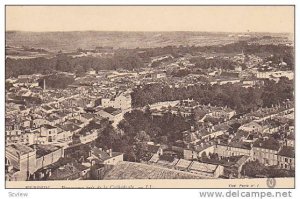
(99, 156)
(286, 158)
(265, 151)
(12, 136)
(122, 101)
(251, 127)
(63, 135)
(189, 154)
(70, 127)
(73, 171)
(206, 170)
(38, 122)
(98, 171)
(275, 74)
(290, 139)
(203, 146)
(49, 132)
(85, 118)
(80, 123)
(53, 120)
(11, 124)
(20, 161)
(105, 114)
(28, 138)
(225, 113)
(183, 164)
(233, 148)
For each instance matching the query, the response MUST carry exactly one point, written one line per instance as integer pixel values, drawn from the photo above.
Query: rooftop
(287, 151)
(184, 164)
(133, 170)
(47, 126)
(270, 143)
(42, 150)
(203, 167)
(19, 149)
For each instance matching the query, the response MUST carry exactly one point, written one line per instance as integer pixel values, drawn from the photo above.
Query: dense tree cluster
(57, 81)
(65, 63)
(201, 62)
(136, 58)
(230, 95)
(138, 128)
(255, 169)
(156, 127)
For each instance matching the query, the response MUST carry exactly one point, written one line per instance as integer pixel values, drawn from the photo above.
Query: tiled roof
(103, 155)
(42, 150)
(47, 126)
(287, 151)
(18, 149)
(69, 127)
(203, 167)
(270, 143)
(183, 164)
(133, 170)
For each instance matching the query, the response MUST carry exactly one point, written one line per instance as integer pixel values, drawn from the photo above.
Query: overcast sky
(151, 18)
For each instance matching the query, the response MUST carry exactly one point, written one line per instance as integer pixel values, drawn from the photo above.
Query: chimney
(110, 152)
(44, 84)
(201, 144)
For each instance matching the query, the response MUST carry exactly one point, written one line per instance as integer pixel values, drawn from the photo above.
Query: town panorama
(148, 105)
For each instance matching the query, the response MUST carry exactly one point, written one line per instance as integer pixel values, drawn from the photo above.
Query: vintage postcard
(149, 96)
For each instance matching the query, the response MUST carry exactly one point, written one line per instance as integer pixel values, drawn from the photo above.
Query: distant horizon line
(205, 31)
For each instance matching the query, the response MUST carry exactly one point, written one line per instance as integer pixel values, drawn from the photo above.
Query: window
(285, 159)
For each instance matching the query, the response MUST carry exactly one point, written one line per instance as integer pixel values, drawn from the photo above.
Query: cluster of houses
(59, 120)
(48, 162)
(41, 123)
(266, 136)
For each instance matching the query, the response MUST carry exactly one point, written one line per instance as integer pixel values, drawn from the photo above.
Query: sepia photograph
(149, 96)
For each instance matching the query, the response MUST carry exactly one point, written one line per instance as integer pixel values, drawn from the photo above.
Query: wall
(227, 151)
(49, 158)
(265, 156)
(114, 160)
